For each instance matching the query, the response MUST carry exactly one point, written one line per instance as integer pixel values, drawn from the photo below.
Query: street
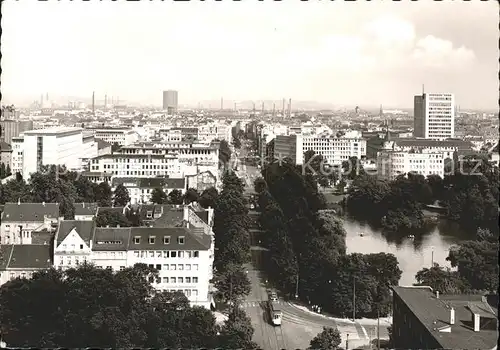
(299, 326)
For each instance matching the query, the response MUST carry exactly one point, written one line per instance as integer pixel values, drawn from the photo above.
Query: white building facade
(334, 150)
(120, 136)
(183, 256)
(59, 146)
(434, 116)
(391, 164)
(17, 155)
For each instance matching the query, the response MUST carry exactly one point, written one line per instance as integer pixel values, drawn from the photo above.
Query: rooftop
(102, 144)
(85, 208)
(415, 142)
(56, 130)
(434, 314)
(85, 229)
(29, 212)
(25, 256)
(4, 146)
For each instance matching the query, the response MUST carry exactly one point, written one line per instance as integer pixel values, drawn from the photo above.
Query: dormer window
(149, 214)
(166, 240)
(180, 240)
(137, 239)
(151, 239)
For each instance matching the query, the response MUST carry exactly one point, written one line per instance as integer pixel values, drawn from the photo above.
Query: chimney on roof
(19, 201)
(83, 204)
(437, 294)
(452, 316)
(477, 322)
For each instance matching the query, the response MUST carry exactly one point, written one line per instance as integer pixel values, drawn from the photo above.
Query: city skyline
(362, 54)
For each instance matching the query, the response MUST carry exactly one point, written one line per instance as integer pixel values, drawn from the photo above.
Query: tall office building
(434, 116)
(13, 128)
(170, 101)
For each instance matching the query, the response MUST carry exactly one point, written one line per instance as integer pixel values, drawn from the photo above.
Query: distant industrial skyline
(335, 53)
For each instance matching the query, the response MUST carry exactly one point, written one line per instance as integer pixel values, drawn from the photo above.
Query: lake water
(412, 254)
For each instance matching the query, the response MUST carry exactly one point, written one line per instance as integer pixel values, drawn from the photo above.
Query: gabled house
(19, 220)
(23, 260)
(85, 211)
(73, 243)
(110, 246)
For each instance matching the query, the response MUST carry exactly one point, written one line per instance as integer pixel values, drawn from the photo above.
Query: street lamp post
(297, 287)
(432, 257)
(354, 299)
(378, 329)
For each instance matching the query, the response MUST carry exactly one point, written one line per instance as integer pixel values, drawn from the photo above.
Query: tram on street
(275, 313)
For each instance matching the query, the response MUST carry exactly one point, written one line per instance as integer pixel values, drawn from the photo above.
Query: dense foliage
(65, 309)
(469, 195)
(307, 247)
(232, 240)
(5, 171)
(476, 263)
(328, 339)
(121, 196)
(224, 153)
(56, 185)
(208, 197)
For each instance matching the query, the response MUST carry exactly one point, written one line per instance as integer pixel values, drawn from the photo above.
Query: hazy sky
(359, 53)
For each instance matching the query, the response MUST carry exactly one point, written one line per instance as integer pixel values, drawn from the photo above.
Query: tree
(477, 261)
(224, 152)
(191, 195)
(208, 197)
(175, 197)
(352, 168)
(328, 339)
(158, 196)
(111, 218)
(237, 331)
(85, 190)
(125, 312)
(236, 143)
(232, 283)
(3, 171)
(441, 279)
(103, 194)
(121, 196)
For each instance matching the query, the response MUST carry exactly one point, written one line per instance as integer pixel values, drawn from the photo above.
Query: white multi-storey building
(391, 164)
(120, 136)
(215, 131)
(187, 158)
(17, 155)
(448, 147)
(183, 256)
(137, 164)
(59, 146)
(434, 116)
(334, 150)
